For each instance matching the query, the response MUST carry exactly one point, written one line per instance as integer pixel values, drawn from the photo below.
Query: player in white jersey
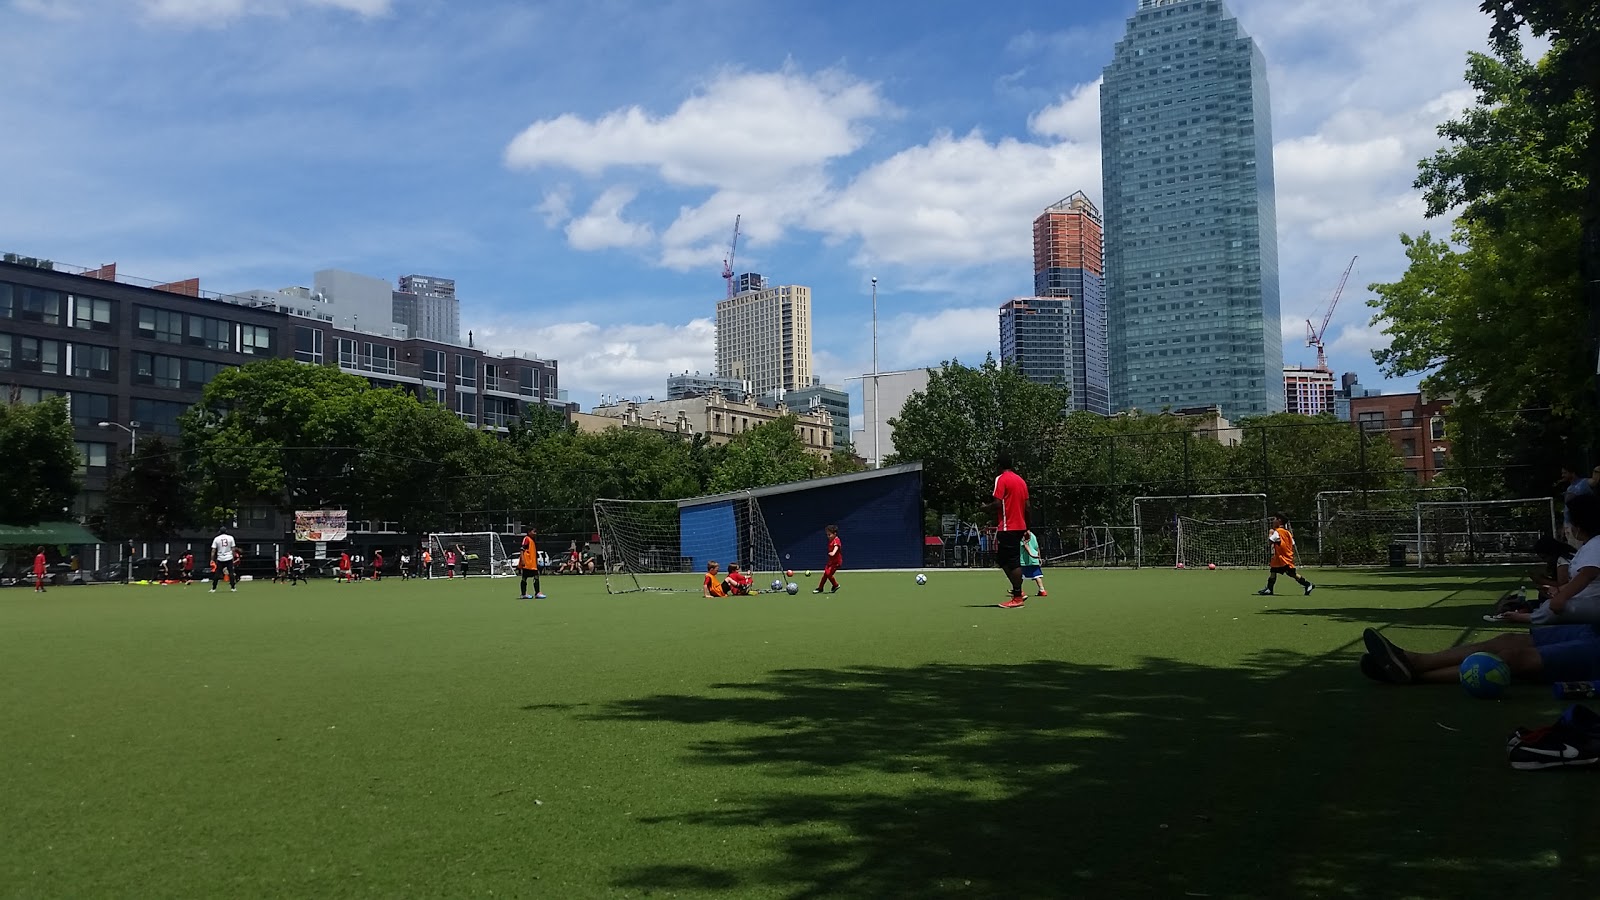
(224, 553)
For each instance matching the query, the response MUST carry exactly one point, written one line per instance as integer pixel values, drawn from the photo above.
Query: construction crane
(727, 264)
(1313, 334)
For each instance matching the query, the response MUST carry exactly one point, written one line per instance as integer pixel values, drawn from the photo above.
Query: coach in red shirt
(1010, 508)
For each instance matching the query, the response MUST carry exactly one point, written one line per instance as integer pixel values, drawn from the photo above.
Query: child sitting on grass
(712, 586)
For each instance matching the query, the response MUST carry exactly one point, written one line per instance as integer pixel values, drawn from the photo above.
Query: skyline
(584, 209)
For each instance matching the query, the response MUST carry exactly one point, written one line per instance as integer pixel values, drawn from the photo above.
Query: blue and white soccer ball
(792, 588)
(776, 585)
(921, 578)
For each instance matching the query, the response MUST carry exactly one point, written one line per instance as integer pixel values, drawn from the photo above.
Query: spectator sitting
(1564, 645)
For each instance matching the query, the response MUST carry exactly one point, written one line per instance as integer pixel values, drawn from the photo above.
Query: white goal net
(1483, 531)
(664, 545)
(477, 553)
(1359, 527)
(1089, 546)
(1199, 530)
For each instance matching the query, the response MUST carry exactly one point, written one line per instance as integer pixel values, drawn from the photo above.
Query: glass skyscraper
(1190, 217)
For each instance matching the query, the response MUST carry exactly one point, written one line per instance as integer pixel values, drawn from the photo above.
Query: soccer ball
(1180, 565)
(1211, 566)
(1484, 675)
(808, 573)
(776, 585)
(792, 588)
(921, 578)
(788, 573)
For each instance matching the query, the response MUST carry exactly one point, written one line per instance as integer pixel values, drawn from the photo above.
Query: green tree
(41, 477)
(149, 498)
(1292, 458)
(770, 453)
(960, 421)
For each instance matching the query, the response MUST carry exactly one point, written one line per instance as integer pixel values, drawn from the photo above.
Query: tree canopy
(41, 477)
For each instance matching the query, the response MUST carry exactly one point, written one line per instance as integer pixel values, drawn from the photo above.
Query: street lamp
(877, 460)
(132, 428)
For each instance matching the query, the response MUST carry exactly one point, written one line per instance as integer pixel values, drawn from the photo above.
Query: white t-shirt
(1583, 607)
(222, 545)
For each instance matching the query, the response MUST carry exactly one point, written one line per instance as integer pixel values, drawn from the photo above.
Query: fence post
(1266, 469)
(1188, 469)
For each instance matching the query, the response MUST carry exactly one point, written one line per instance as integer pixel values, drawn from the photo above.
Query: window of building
(197, 373)
(7, 309)
(308, 344)
(348, 354)
(256, 518)
(1408, 447)
(527, 381)
(466, 371)
(466, 408)
(1408, 418)
(433, 366)
(89, 410)
(160, 416)
(89, 361)
(6, 352)
(34, 355)
(1371, 421)
(1436, 428)
(1438, 458)
(255, 340)
(160, 325)
(38, 305)
(27, 396)
(92, 455)
(380, 358)
(92, 313)
(212, 334)
(157, 370)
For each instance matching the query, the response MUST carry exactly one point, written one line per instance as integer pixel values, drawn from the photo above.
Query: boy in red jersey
(377, 565)
(188, 567)
(737, 584)
(834, 561)
(344, 567)
(1010, 508)
(283, 570)
(38, 572)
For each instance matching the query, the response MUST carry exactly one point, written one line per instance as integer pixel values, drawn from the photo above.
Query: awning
(48, 534)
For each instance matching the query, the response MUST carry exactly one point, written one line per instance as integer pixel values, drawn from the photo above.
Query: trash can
(1397, 555)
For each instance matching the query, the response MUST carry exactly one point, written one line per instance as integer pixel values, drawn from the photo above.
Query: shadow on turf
(1445, 616)
(1286, 777)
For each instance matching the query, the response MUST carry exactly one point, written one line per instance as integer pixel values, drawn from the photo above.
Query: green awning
(48, 534)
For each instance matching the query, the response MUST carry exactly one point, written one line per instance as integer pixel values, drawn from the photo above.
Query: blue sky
(577, 166)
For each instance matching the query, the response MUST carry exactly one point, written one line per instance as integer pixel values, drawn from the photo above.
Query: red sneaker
(1043, 593)
(1013, 603)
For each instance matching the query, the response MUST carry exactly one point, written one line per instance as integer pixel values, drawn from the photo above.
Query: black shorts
(529, 573)
(1008, 549)
(1284, 570)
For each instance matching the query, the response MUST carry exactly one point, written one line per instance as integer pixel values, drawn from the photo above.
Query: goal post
(664, 545)
(1198, 529)
(1483, 532)
(1359, 527)
(480, 552)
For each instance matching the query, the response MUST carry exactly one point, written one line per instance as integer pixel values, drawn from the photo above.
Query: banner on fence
(321, 524)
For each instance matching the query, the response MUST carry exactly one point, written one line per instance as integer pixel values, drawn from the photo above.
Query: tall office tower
(1190, 217)
(764, 336)
(1067, 263)
(1036, 337)
(435, 313)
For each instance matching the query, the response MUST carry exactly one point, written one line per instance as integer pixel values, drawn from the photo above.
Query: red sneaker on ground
(1043, 593)
(1013, 603)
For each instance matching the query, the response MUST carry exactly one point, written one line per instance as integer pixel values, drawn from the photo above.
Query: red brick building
(1413, 423)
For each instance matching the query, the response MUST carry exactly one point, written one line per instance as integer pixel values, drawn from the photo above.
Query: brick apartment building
(1413, 423)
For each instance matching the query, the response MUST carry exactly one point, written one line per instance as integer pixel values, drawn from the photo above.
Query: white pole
(877, 459)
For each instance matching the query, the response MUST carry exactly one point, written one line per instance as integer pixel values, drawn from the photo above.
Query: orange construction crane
(1314, 335)
(727, 264)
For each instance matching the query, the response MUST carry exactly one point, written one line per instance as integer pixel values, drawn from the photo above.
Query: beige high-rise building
(764, 336)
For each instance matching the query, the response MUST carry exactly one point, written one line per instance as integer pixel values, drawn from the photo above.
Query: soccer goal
(480, 552)
(1225, 529)
(663, 545)
(1359, 527)
(1096, 546)
(1478, 532)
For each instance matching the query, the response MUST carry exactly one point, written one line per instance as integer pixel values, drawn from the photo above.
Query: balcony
(495, 384)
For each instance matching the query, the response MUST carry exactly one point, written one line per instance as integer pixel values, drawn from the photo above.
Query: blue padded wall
(879, 519)
(707, 533)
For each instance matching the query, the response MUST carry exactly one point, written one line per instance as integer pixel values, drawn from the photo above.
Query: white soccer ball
(776, 585)
(792, 588)
(921, 578)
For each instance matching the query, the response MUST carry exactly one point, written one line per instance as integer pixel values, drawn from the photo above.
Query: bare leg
(1444, 666)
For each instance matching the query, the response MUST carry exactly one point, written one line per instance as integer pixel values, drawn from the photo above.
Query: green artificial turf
(1135, 734)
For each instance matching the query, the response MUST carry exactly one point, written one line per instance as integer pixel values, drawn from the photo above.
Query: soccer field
(1135, 734)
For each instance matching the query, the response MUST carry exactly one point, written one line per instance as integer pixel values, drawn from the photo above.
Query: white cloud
(216, 12)
(1076, 117)
(556, 207)
(623, 359)
(603, 227)
(917, 339)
